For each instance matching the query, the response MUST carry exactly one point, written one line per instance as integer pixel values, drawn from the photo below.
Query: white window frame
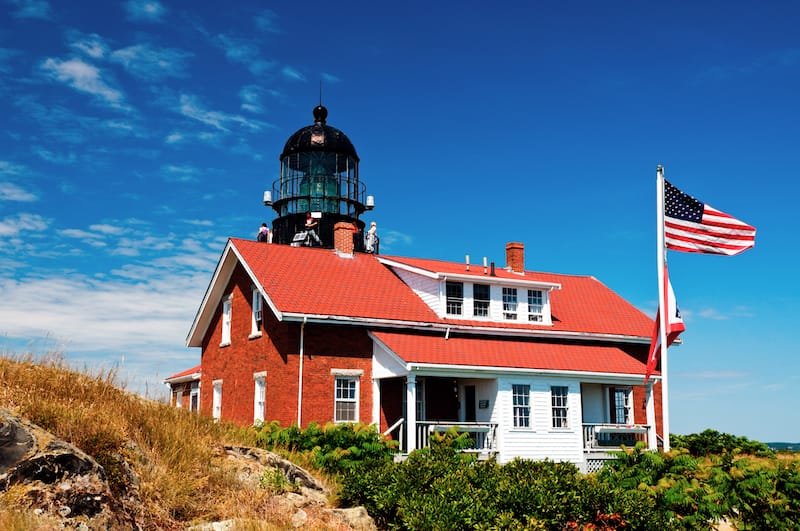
(346, 376)
(521, 405)
(510, 303)
(194, 397)
(257, 305)
(536, 308)
(216, 400)
(559, 404)
(179, 398)
(627, 404)
(478, 309)
(454, 305)
(227, 315)
(259, 396)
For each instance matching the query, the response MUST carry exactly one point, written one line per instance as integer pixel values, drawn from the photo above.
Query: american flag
(674, 327)
(692, 226)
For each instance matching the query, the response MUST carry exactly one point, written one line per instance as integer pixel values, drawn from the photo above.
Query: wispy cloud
(54, 158)
(12, 192)
(292, 73)
(251, 98)
(23, 222)
(148, 63)
(145, 10)
(32, 9)
(245, 53)
(9, 168)
(91, 45)
(183, 174)
(191, 108)
(267, 21)
(330, 78)
(83, 77)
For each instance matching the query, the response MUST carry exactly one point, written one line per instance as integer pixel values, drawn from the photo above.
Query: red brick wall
(277, 352)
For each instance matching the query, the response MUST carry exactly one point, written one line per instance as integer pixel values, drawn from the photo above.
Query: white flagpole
(662, 304)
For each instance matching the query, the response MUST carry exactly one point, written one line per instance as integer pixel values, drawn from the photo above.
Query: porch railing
(603, 437)
(483, 435)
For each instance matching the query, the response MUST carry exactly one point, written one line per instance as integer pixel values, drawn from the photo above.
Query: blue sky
(138, 135)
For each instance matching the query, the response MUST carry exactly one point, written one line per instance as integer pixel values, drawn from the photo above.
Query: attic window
(510, 303)
(480, 300)
(455, 297)
(535, 305)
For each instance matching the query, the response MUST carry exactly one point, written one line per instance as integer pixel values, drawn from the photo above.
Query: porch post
(376, 403)
(650, 409)
(411, 412)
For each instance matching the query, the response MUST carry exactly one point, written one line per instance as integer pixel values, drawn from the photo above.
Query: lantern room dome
(319, 137)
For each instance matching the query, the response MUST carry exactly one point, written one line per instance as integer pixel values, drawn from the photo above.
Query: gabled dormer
(480, 292)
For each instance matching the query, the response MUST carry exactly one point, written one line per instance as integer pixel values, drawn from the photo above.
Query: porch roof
(512, 353)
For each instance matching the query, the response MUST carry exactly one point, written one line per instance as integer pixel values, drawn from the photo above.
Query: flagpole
(662, 303)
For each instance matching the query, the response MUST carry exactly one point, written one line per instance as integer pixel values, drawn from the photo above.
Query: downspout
(300, 375)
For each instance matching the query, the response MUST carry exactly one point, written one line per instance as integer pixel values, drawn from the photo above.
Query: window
(509, 303)
(216, 403)
(620, 405)
(256, 324)
(521, 398)
(535, 299)
(259, 396)
(455, 297)
(179, 398)
(558, 395)
(226, 321)
(194, 397)
(346, 399)
(480, 298)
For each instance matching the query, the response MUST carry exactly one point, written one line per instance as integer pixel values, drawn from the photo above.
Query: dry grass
(183, 475)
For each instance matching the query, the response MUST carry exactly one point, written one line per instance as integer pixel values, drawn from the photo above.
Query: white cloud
(266, 21)
(23, 222)
(184, 174)
(32, 9)
(174, 138)
(245, 53)
(146, 62)
(145, 10)
(191, 108)
(91, 45)
(293, 73)
(330, 78)
(251, 99)
(55, 158)
(12, 192)
(83, 77)
(9, 168)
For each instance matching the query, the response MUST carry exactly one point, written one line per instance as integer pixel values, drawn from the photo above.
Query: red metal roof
(513, 353)
(315, 281)
(181, 374)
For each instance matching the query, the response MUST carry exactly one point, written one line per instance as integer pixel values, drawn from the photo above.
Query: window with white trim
(227, 304)
(620, 410)
(535, 305)
(216, 400)
(345, 406)
(558, 398)
(194, 397)
(455, 297)
(255, 329)
(259, 396)
(179, 398)
(521, 400)
(480, 300)
(510, 303)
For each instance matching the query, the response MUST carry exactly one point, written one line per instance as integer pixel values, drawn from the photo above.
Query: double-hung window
(480, 300)
(345, 408)
(455, 297)
(535, 304)
(521, 400)
(259, 396)
(255, 329)
(227, 304)
(558, 397)
(194, 397)
(510, 303)
(216, 400)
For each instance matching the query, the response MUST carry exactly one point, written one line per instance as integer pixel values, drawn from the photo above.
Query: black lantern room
(319, 175)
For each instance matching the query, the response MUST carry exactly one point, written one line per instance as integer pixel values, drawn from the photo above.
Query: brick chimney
(343, 237)
(515, 256)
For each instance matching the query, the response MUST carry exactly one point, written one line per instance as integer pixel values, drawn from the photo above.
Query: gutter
(300, 376)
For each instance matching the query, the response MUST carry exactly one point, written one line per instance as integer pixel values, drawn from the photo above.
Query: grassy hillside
(184, 478)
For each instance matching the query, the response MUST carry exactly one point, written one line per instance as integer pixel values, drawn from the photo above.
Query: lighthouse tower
(319, 175)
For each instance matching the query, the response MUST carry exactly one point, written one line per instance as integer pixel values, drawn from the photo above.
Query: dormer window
(480, 300)
(510, 303)
(455, 297)
(535, 305)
